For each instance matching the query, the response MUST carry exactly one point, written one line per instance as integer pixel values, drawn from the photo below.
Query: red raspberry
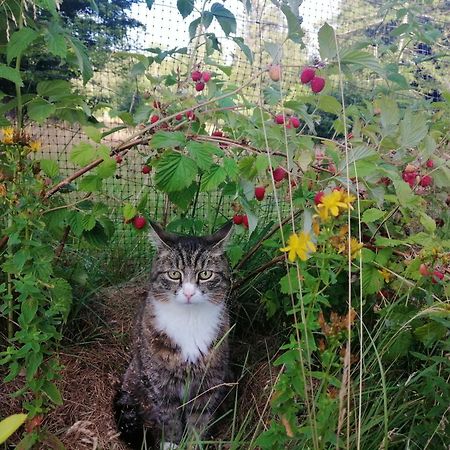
(437, 276)
(245, 221)
(237, 219)
(279, 119)
(307, 75)
(260, 191)
(196, 75)
(206, 76)
(118, 159)
(426, 181)
(146, 169)
(217, 133)
(154, 118)
(279, 174)
(178, 116)
(317, 84)
(430, 163)
(190, 115)
(156, 104)
(294, 121)
(139, 222)
(200, 86)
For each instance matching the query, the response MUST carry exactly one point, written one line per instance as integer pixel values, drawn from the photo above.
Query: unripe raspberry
(275, 72)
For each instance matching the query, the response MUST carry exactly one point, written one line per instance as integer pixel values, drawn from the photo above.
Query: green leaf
(329, 104)
(405, 195)
(372, 215)
(54, 88)
(295, 32)
(92, 132)
(327, 42)
(428, 222)
(212, 179)
(29, 308)
(52, 393)
(129, 211)
(372, 280)
(429, 333)
(83, 59)
(83, 154)
(106, 168)
(235, 253)
(56, 42)
(362, 59)
(9, 425)
(39, 109)
(201, 153)
(245, 48)
(225, 17)
(193, 27)
(97, 237)
(185, 7)
(175, 171)
(20, 41)
(10, 74)
(49, 167)
(272, 94)
(390, 115)
(290, 283)
(90, 183)
(183, 198)
(168, 139)
(61, 297)
(33, 361)
(231, 168)
(413, 129)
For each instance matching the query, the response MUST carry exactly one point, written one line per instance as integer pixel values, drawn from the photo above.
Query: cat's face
(190, 270)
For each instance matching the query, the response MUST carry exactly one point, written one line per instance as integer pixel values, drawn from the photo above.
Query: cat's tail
(129, 421)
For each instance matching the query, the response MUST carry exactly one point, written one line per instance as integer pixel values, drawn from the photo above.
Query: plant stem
(17, 84)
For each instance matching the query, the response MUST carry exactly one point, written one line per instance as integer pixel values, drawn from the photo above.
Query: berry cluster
(411, 174)
(200, 79)
(308, 75)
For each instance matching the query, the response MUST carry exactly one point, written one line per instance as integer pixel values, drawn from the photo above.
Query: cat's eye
(205, 275)
(174, 275)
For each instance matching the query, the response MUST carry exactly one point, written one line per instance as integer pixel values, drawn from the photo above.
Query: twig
(3, 241)
(63, 241)
(260, 269)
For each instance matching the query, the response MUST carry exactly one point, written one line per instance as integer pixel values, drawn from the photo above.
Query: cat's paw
(169, 446)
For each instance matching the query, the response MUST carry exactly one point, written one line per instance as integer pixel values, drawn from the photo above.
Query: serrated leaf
(329, 104)
(128, 211)
(33, 361)
(231, 168)
(29, 308)
(390, 115)
(212, 179)
(88, 221)
(52, 392)
(49, 167)
(90, 183)
(225, 17)
(245, 48)
(185, 7)
(405, 195)
(372, 280)
(175, 171)
(83, 154)
(96, 237)
(83, 58)
(54, 88)
(184, 198)
(201, 153)
(9, 425)
(362, 59)
(428, 222)
(168, 139)
(10, 74)
(290, 283)
(399, 347)
(94, 133)
(56, 42)
(327, 42)
(19, 41)
(39, 109)
(107, 168)
(295, 32)
(413, 129)
(272, 94)
(429, 333)
(372, 215)
(275, 51)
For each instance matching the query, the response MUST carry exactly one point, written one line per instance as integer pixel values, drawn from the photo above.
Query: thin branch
(63, 241)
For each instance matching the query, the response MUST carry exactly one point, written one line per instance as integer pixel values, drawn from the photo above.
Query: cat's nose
(188, 290)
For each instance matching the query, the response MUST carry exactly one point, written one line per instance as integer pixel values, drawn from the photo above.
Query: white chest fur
(193, 327)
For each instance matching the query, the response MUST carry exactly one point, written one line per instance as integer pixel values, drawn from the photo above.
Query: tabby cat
(175, 380)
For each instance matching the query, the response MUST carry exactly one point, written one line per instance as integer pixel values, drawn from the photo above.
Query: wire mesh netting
(117, 83)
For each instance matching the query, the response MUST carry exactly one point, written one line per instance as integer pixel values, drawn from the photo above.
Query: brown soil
(94, 364)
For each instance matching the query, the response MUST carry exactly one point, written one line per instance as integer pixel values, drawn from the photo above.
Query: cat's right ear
(160, 237)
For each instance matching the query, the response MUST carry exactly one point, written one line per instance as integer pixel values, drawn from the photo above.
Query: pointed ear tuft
(160, 237)
(220, 238)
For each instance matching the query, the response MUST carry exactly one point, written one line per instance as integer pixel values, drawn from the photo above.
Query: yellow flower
(385, 274)
(35, 146)
(299, 245)
(355, 247)
(330, 204)
(8, 135)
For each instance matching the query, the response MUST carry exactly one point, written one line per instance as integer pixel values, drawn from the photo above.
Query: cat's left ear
(220, 238)
(161, 238)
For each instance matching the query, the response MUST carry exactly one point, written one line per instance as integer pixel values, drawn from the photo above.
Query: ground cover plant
(341, 246)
